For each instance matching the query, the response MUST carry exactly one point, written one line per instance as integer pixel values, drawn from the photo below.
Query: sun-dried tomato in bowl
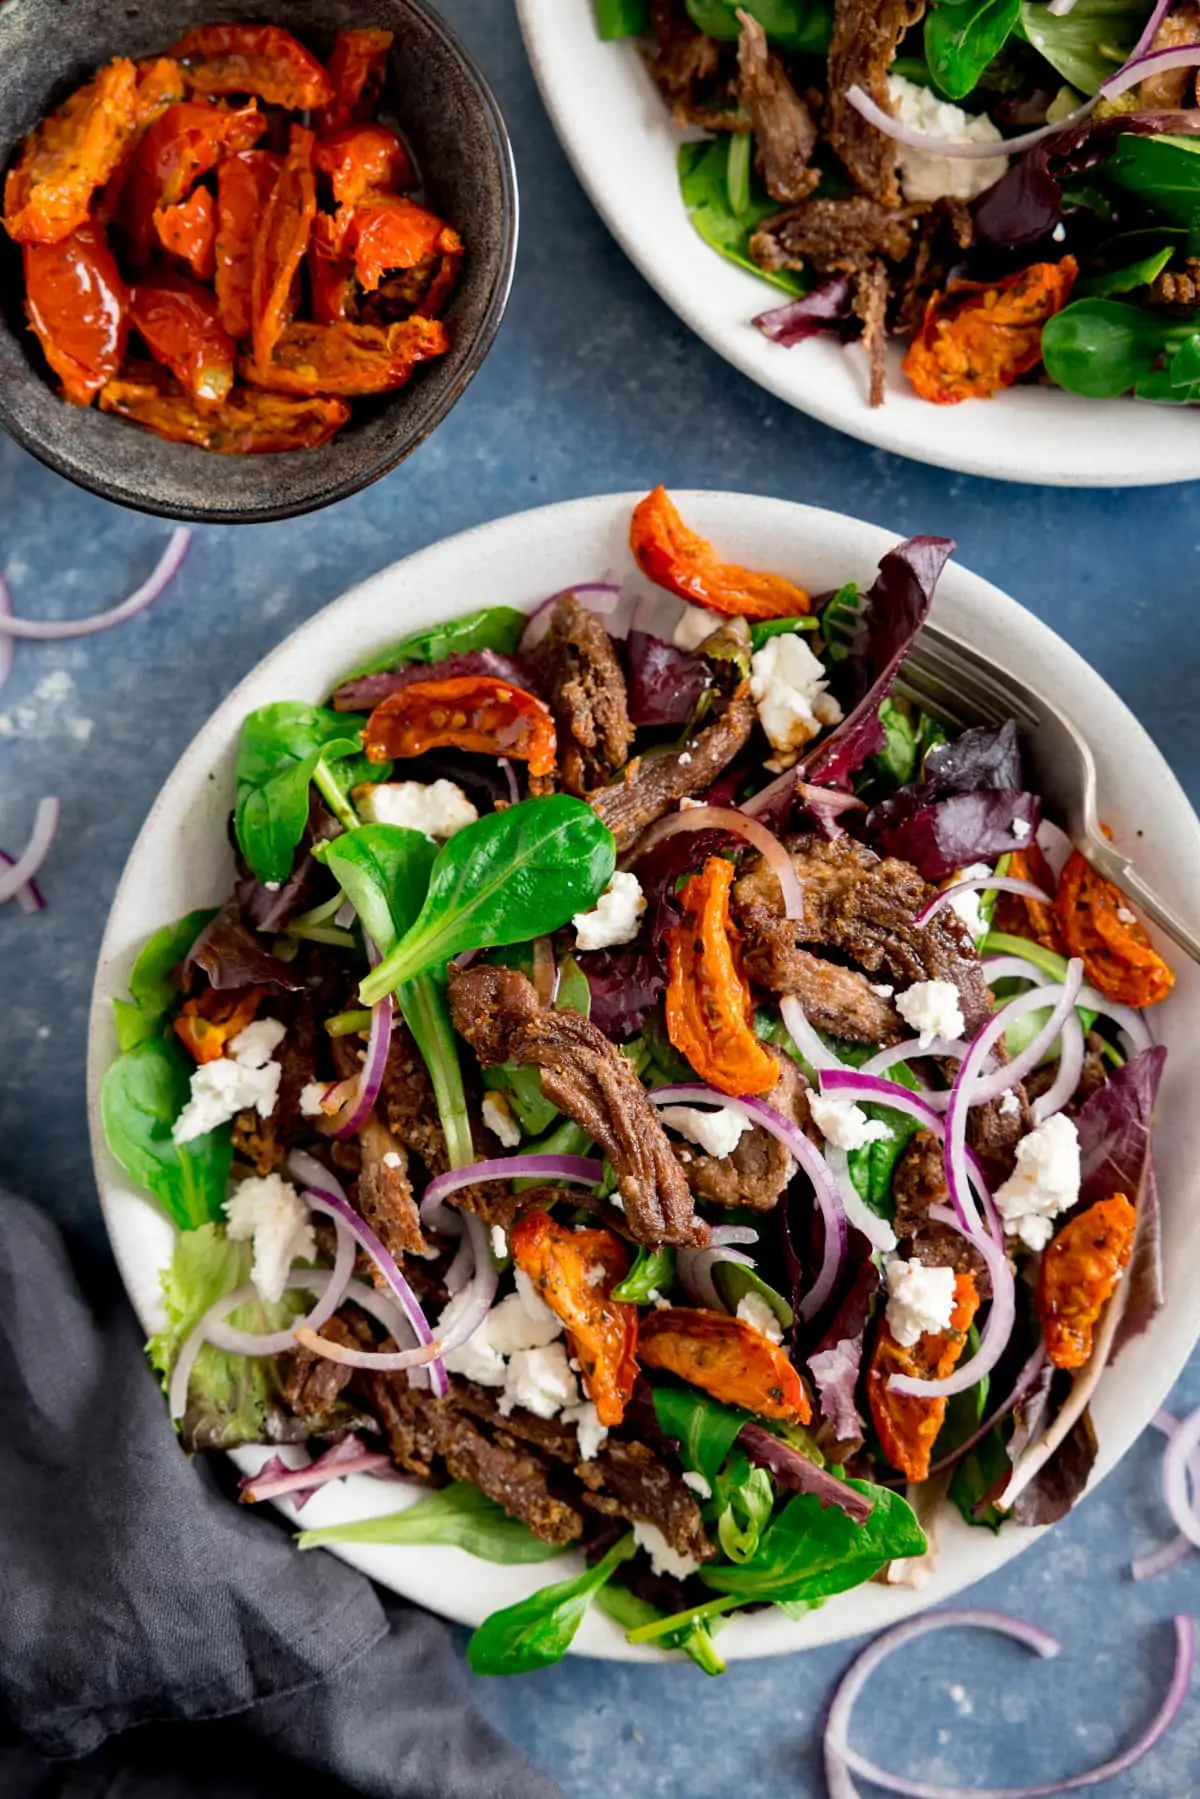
(229, 215)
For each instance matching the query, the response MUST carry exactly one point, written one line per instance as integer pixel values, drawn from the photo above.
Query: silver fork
(946, 677)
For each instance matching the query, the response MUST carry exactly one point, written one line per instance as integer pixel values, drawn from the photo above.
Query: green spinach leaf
(141, 1096)
(1102, 348)
(384, 872)
(277, 756)
(706, 1430)
(427, 1014)
(1164, 172)
(809, 1553)
(704, 187)
(962, 37)
(1089, 43)
(151, 994)
(632, 1613)
(763, 629)
(733, 1281)
(538, 1631)
(653, 1272)
(978, 1472)
(803, 26)
(460, 1514)
(1125, 280)
(491, 628)
(745, 1496)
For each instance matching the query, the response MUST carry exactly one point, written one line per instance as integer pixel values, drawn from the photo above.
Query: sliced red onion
(539, 619)
(981, 884)
(19, 873)
(828, 800)
(510, 775)
(738, 824)
(349, 1122)
(803, 1034)
(1150, 28)
(996, 1332)
(46, 630)
(911, 1050)
(1024, 1381)
(1152, 62)
(1070, 1068)
(462, 1267)
(968, 148)
(1159, 1561)
(580, 1171)
(859, 1215)
(6, 642)
(1124, 1017)
(841, 1760)
(1181, 1448)
(311, 1173)
(695, 1270)
(1013, 968)
(470, 1306)
(275, 1479)
(30, 897)
(228, 1337)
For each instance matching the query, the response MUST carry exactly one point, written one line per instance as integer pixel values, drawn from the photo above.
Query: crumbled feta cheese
(255, 1046)
(661, 1304)
(1044, 1183)
(592, 1433)
(695, 627)
(663, 1559)
(845, 1124)
(883, 988)
(438, 809)
(614, 1199)
(498, 1117)
(1021, 828)
(477, 1360)
(966, 905)
(654, 1296)
(920, 1299)
(272, 886)
(754, 1310)
(718, 1133)
(1126, 916)
(269, 1210)
(697, 1483)
(615, 917)
(513, 1325)
(787, 685)
(687, 804)
(685, 758)
(392, 1159)
(1009, 1103)
(927, 176)
(597, 1274)
(222, 1089)
(540, 1381)
(499, 1243)
(1059, 234)
(311, 1095)
(933, 1010)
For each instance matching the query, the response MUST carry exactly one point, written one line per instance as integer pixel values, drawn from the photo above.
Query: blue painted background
(593, 386)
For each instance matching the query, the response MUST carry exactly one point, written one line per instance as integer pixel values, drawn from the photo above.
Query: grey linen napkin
(134, 1593)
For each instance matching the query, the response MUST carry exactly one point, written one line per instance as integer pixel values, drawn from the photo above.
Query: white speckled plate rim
(181, 860)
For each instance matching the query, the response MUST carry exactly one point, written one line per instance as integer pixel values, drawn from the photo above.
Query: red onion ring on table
(1170, 1555)
(969, 149)
(841, 1761)
(21, 871)
(53, 630)
(581, 1171)
(30, 897)
(981, 884)
(1182, 1445)
(738, 824)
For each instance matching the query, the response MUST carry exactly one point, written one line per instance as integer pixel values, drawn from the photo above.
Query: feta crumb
(477, 1360)
(597, 1274)
(661, 1304)
(966, 905)
(787, 685)
(509, 1327)
(255, 1046)
(311, 1095)
(532, 1300)
(615, 1200)
(587, 1423)
(1009, 1103)
(697, 1483)
(883, 988)
(540, 1381)
(654, 1296)
(1059, 234)
(845, 1124)
(616, 916)
(272, 886)
(499, 1243)
(222, 1089)
(689, 805)
(1022, 828)
(694, 628)
(1126, 916)
(920, 1299)
(663, 1559)
(932, 1008)
(269, 1211)
(718, 1133)
(685, 759)
(438, 809)
(754, 1310)
(498, 1117)
(392, 1159)
(927, 176)
(1044, 1183)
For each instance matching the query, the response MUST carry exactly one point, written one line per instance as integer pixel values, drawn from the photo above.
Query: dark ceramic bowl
(49, 47)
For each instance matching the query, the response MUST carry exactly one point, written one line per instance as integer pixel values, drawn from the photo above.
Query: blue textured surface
(593, 386)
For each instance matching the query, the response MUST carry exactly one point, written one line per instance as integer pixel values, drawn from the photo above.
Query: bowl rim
(485, 335)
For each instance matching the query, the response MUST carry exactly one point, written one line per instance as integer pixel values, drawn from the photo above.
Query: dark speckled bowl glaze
(48, 47)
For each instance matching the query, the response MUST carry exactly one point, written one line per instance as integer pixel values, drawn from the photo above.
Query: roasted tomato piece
(331, 279)
(1079, 1275)
(1024, 917)
(249, 423)
(71, 153)
(348, 359)
(471, 712)
(184, 144)
(677, 558)
(1097, 924)
(977, 339)
(206, 1024)
(386, 231)
(725, 1357)
(178, 320)
(574, 1273)
(189, 232)
(363, 159)
(160, 84)
(254, 59)
(245, 183)
(281, 242)
(357, 69)
(424, 288)
(79, 307)
(710, 1007)
(907, 1426)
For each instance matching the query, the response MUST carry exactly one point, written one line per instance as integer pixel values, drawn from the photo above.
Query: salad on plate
(656, 1089)
(1007, 187)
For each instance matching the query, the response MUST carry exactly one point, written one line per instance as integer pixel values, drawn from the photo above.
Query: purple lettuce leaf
(1116, 1155)
(835, 1373)
(797, 1472)
(940, 835)
(665, 684)
(625, 985)
(1055, 1488)
(306, 886)
(829, 307)
(231, 956)
(368, 691)
(985, 757)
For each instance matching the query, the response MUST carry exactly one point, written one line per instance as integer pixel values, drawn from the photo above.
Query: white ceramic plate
(615, 128)
(181, 860)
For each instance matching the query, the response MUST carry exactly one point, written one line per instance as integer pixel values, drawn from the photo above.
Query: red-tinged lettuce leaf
(664, 683)
(939, 836)
(327, 1467)
(985, 757)
(796, 1472)
(829, 307)
(1116, 1155)
(267, 910)
(368, 691)
(625, 986)
(231, 956)
(835, 1373)
(1055, 1488)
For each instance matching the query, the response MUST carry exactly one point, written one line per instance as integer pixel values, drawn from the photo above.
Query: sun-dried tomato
(710, 1008)
(189, 231)
(184, 144)
(72, 152)
(574, 1273)
(1079, 1274)
(249, 423)
(281, 242)
(254, 59)
(1098, 925)
(363, 159)
(348, 359)
(245, 183)
(331, 280)
(178, 320)
(1024, 917)
(907, 1426)
(679, 559)
(79, 307)
(206, 1024)
(724, 1357)
(160, 84)
(470, 712)
(976, 339)
(387, 231)
(357, 69)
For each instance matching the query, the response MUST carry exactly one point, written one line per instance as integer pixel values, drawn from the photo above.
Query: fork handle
(1118, 868)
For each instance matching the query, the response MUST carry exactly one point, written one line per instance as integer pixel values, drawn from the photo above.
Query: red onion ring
(48, 630)
(739, 824)
(1013, 968)
(803, 1034)
(841, 1760)
(1150, 28)
(510, 775)
(310, 1479)
(18, 874)
(830, 800)
(1151, 62)
(993, 1340)
(1146, 1567)
(30, 897)
(348, 1122)
(859, 1215)
(462, 1267)
(1181, 1448)
(1124, 1017)
(981, 884)
(1070, 1068)
(1024, 1381)
(582, 1171)
(237, 1342)
(695, 1270)
(539, 619)
(968, 148)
